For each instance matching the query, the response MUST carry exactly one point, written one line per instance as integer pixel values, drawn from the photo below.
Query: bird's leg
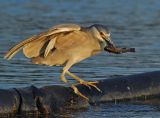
(63, 78)
(88, 84)
(76, 91)
(65, 70)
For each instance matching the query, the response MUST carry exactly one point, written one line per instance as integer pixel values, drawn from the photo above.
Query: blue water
(133, 23)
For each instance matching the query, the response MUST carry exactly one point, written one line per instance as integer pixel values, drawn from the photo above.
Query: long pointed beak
(110, 43)
(110, 46)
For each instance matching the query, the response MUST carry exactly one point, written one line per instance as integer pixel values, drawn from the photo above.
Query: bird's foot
(89, 84)
(76, 91)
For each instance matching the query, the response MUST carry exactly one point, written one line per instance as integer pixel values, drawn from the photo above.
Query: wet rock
(139, 88)
(9, 101)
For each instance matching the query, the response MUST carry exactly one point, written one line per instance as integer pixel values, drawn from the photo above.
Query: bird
(66, 45)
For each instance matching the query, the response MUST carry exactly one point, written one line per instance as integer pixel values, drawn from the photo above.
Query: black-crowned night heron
(67, 44)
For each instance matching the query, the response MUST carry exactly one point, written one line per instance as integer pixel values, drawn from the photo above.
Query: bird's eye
(101, 33)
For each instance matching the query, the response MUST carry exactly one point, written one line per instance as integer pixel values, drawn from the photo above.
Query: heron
(66, 45)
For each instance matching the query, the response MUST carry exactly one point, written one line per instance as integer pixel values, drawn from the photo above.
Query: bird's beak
(110, 44)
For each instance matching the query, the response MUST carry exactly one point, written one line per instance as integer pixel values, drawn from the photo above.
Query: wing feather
(32, 46)
(50, 46)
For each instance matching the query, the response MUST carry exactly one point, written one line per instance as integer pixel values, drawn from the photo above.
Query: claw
(88, 84)
(78, 92)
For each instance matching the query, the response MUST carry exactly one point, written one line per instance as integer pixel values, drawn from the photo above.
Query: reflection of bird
(65, 44)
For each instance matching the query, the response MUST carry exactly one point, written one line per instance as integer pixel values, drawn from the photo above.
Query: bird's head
(103, 34)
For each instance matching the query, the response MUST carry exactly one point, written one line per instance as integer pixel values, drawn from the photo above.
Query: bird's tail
(18, 47)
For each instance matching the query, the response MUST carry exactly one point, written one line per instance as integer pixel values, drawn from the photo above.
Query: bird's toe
(76, 91)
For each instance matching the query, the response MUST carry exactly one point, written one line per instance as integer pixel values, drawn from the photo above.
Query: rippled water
(134, 23)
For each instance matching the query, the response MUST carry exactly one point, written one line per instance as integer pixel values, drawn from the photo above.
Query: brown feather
(17, 48)
(76, 44)
(34, 48)
(36, 44)
(50, 46)
(56, 57)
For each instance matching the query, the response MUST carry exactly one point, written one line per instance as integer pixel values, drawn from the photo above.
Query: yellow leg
(76, 91)
(63, 78)
(88, 84)
(65, 70)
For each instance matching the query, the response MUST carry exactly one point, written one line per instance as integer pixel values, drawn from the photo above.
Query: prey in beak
(110, 47)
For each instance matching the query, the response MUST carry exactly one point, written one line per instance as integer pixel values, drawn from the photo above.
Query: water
(134, 23)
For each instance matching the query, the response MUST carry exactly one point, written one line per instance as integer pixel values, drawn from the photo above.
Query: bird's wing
(76, 45)
(34, 45)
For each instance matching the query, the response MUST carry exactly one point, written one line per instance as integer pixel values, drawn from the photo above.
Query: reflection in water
(133, 24)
